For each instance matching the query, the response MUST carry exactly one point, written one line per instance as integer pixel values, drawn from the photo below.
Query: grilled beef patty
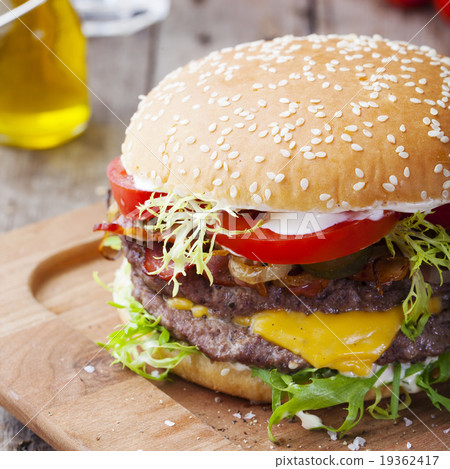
(222, 340)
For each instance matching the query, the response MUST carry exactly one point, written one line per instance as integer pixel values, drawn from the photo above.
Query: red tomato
(336, 241)
(440, 215)
(443, 5)
(409, 3)
(123, 190)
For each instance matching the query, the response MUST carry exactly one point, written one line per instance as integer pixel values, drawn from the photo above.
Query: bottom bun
(234, 379)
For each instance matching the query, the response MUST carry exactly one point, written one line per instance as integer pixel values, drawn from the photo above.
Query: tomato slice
(124, 191)
(440, 216)
(443, 6)
(336, 241)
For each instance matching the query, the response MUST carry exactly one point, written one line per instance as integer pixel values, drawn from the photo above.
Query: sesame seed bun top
(317, 123)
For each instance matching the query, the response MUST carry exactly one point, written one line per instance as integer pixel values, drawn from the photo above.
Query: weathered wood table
(38, 185)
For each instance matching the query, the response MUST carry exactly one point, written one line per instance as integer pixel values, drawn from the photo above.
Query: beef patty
(220, 339)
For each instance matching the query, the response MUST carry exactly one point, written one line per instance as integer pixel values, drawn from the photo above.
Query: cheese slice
(347, 342)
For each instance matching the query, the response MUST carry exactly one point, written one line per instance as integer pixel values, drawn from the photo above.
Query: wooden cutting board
(58, 382)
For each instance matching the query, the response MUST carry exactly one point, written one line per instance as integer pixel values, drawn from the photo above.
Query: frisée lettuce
(143, 341)
(424, 244)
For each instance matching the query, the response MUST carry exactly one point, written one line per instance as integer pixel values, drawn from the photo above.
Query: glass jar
(43, 97)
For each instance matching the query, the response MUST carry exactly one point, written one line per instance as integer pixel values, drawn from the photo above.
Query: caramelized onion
(384, 270)
(254, 274)
(304, 284)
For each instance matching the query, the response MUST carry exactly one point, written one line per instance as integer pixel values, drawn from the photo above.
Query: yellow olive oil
(43, 99)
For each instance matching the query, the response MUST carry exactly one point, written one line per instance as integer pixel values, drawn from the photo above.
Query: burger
(283, 209)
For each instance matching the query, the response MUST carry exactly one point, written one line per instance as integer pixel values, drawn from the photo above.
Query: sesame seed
(204, 148)
(316, 140)
(324, 197)
(196, 172)
(357, 147)
(279, 177)
(415, 100)
(223, 102)
(382, 118)
(267, 194)
(406, 172)
(338, 87)
(423, 195)
(368, 124)
(253, 187)
(392, 98)
(393, 180)
(388, 187)
(277, 139)
(338, 114)
(252, 128)
(271, 175)
(438, 168)
(358, 186)
(321, 154)
(227, 131)
(351, 128)
(304, 183)
(346, 137)
(402, 128)
(257, 86)
(357, 111)
(446, 184)
(367, 133)
(391, 138)
(190, 140)
(434, 111)
(233, 154)
(225, 147)
(300, 122)
(257, 198)
(235, 175)
(285, 153)
(316, 131)
(329, 139)
(214, 155)
(217, 182)
(309, 155)
(218, 164)
(262, 103)
(359, 172)
(233, 191)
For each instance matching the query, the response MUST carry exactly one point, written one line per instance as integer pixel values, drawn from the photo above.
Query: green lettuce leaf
(313, 389)
(423, 243)
(140, 343)
(433, 373)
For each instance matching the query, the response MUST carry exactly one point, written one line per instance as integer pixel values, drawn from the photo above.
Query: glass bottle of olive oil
(43, 99)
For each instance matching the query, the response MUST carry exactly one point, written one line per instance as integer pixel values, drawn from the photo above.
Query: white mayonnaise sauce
(309, 421)
(301, 223)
